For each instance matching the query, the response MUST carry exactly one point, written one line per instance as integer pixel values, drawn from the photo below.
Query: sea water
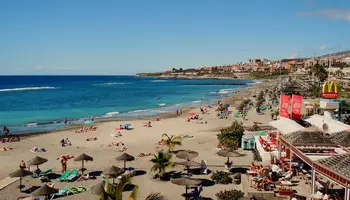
(38, 103)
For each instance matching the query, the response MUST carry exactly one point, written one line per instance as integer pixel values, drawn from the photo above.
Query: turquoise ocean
(40, 103)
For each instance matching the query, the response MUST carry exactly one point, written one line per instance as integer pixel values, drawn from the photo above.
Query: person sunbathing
(123, 149)
(67, 142)
(265, 183)
(144, 155)
(6, 148)
(91, 139)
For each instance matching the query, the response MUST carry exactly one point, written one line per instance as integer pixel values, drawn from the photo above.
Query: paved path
(7, 181)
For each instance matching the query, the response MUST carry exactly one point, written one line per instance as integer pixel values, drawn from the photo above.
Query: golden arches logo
(330, 90)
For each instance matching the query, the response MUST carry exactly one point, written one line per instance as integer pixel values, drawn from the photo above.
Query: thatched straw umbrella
(184, 181)
(126, 158)
(45, 190)
(187, 154)
(83, 157)
(20, 173)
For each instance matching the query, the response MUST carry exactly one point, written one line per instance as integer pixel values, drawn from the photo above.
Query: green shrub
(230, 137)
(221, 177)
(229, 195)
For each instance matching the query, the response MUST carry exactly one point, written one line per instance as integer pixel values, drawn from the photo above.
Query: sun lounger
(45, 173)
(63, 176)
(74, 174)
(61, 193)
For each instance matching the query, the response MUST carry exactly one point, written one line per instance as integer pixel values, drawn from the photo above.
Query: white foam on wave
(162, 104)
(138, 111)
(198, 101)
(112, 83)
(226, 91)
(32, 124)
(110, 114)
(27, 88)
(159, 81)
(212, 92)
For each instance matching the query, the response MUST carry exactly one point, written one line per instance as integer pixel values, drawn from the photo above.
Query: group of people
(266, 177)
(6, 133)
(65, 142)
(86, 129)
(179, 112)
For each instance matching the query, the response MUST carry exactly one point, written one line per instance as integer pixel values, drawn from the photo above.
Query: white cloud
(323, 47)
(43, 68)
(64, 69)
(39, 68)
(329, 13)
(295, 55)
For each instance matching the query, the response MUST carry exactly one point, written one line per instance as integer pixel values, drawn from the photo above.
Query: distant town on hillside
(337, 64)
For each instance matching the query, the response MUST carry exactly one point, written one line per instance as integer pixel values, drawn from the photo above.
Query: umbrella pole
(124, 164)
(20, 184)
(82, 167)
(186, 193)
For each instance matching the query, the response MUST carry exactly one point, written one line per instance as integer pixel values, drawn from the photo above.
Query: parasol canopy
(20, 173)
(188, 163)
(187, 154)
(113, 170)
(83, 157)
(45, 190)
(126, 158)
(97, 189)
(228, 154)
(37, 161)
(184, 181)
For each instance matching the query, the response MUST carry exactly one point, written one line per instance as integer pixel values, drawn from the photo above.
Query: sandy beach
(138, 140)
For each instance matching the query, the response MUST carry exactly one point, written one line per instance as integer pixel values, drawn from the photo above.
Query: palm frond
(155, 196)
(125, 179)
(134, 193)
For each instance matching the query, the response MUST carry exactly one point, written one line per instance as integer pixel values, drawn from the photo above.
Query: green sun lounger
(45, 173)
(61, 193)
(64, 176)
(72, 175)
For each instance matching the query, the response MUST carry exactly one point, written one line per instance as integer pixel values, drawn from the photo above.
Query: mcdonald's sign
(330, 90)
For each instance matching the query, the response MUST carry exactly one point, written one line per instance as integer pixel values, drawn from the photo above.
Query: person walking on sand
(92, 118)
(65, 121)
(5, 130)
(63, 161)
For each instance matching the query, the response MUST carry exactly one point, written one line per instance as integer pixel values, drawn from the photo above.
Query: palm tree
(171, 141)
(114, 192)
(339, 73)
(162, 161)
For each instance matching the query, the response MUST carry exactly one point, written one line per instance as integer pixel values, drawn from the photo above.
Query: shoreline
(166, 115)
(196, 135)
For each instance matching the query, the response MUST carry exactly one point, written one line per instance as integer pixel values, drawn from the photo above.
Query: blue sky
(129, 36)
